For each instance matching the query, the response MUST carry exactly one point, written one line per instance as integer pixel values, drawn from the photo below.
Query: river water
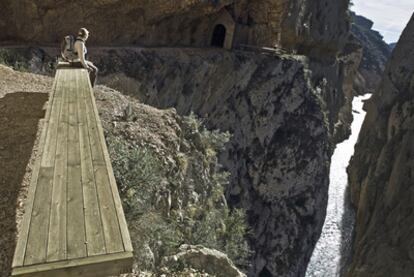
(333, 248)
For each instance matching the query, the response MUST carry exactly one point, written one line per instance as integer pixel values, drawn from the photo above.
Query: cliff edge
(375, 54)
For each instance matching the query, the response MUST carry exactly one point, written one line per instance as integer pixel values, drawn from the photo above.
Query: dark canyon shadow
(20, 113)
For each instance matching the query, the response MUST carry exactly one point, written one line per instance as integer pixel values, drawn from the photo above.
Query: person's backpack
(67, 49)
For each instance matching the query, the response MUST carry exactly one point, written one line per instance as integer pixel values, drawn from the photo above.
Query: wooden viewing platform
(74, 224)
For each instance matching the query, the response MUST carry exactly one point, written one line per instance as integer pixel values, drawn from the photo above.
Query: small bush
(17, 62)
(179, 204)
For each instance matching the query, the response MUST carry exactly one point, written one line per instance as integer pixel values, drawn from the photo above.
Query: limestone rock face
(316, 28)
(375, 55)
(334, 79)
(278, 155)
(250, 95)
(111, 22)
(214, 262)
(349, 61)
(380, 173)
(284, 111)
(300, 25)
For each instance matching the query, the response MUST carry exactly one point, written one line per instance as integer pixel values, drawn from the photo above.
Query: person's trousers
(93, 71)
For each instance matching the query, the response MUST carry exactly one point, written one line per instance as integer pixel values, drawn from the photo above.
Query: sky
(390, 16)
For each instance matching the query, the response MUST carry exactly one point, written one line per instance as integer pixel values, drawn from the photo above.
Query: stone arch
(224, 23)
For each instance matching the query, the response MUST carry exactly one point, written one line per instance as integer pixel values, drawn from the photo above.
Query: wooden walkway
(74, 223)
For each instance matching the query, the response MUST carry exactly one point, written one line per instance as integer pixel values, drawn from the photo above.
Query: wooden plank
(113, 238)
(76, 245)
(48, 158)
(57, 230)
(103, 265)
(20, 250)
(115, 193)
(38, 234)
(93, 222)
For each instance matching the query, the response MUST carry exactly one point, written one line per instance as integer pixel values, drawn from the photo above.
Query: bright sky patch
(390, 16)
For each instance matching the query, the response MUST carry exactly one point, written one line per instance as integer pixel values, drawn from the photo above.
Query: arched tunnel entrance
(219, 36)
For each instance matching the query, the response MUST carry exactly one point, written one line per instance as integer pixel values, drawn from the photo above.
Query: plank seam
(98, 133)
(101, 144)
(93, 175)
(54, 170)
(75, 209)
(67, 178)
(62, 138)
(125, 236)
(80, 150)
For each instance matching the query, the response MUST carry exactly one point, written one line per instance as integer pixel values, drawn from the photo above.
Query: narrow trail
(336, 238)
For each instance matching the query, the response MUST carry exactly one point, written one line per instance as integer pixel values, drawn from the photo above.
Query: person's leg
(76, 64)
(93, 74)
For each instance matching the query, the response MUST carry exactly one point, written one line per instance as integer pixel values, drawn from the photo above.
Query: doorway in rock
(219, 36)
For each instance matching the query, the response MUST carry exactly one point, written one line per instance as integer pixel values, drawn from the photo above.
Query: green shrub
(14, 60)
(167, 206)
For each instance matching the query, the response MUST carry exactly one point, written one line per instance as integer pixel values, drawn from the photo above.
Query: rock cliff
(303, 25)
(269, 101)
(278, 155)
(284, 108)
(376, 53)
(381, 172)
(168, 168)
(316, 29)
(172, 188)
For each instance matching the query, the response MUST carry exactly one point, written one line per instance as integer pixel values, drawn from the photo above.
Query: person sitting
(77, 56)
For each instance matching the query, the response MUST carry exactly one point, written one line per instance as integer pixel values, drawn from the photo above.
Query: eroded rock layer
(284, 108)
(316, 29)
(381, 172)
(304, 25)
(278, 155)
(215, 84)
(375, 55)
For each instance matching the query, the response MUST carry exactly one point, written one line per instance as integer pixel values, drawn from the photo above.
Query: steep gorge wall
(316, 29)
(111, 22)
(381, 172)
(279, 152)
(302, 25)
(284, 110)
(251, 95)
(376, 53)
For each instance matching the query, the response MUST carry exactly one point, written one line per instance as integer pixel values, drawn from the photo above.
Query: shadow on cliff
(20, 113)
(347, 232)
